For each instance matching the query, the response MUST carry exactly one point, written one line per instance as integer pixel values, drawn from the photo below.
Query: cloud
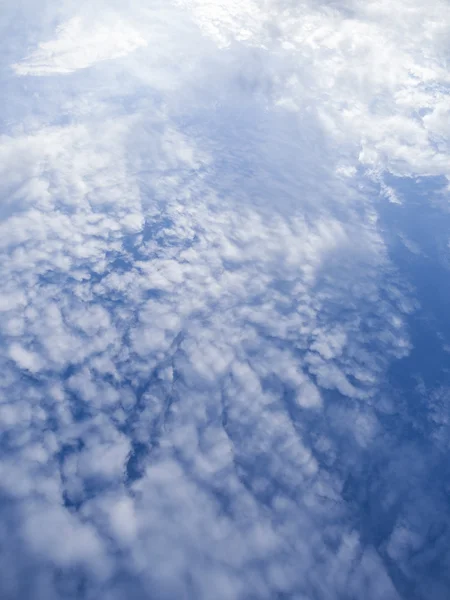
(79, 45)
(200, 310)
(377, 84)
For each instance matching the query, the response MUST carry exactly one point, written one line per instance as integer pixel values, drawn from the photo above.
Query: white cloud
(64, 537)
(370, 75)
(199, 309)
(29, 361)
(79, 44)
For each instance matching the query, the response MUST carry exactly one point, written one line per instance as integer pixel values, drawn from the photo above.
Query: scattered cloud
(200, 310)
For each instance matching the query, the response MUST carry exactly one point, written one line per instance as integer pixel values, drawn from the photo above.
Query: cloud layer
(200, 307)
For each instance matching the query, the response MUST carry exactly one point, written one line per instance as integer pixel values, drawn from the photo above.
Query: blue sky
(224, 333)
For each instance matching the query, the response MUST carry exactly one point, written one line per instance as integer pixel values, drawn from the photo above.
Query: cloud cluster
(79, 45)
(199, 310)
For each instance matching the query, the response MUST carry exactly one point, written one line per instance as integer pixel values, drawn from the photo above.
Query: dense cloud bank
(222, 370)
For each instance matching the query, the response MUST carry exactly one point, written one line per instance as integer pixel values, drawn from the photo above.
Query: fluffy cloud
(199, 307)
(79, 45)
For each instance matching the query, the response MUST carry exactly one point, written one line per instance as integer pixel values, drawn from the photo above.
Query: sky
(224, 329)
